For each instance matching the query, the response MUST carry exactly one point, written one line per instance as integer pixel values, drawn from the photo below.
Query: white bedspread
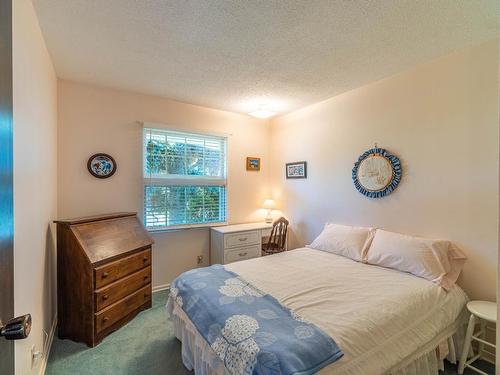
(379, 317)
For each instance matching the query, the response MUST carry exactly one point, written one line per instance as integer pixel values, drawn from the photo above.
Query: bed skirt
(197, 354)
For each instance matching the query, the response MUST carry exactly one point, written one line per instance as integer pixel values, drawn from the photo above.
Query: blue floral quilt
(251, 332)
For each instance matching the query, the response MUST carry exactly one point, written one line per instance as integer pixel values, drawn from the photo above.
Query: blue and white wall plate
(101, 165)
(377, 173)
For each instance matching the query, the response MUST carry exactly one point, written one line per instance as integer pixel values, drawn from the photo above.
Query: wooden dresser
(103, 275)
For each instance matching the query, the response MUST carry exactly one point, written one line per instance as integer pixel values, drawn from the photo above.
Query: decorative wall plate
(377, 173)
(101, 165)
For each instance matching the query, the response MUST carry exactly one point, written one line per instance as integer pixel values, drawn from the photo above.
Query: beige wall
(35, 186)
(93, 119)
(441, 119)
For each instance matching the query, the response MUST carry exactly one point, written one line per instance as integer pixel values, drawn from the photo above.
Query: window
(184, 179)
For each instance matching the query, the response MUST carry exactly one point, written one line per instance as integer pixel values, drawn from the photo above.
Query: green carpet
(146, 345)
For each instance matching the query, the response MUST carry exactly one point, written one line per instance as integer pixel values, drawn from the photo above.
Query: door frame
(6, 185)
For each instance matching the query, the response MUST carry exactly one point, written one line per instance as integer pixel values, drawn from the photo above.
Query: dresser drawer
(241, 239)
(113, 271)
(112, 314)
(121, 288)
(242, 253)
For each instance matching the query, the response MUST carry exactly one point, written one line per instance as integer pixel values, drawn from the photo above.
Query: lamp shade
(269, 204)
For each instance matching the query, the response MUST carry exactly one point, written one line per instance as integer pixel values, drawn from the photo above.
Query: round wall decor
(101, 165)
(377, 173)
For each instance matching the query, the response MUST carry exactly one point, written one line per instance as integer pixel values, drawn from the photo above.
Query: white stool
(484, 312)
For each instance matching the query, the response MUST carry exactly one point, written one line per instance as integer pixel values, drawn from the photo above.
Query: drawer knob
(243, 254)
(104, 275)
(243, 239)
(105, 297)
(146, 277)
(146, 295)
(145, 259)
(105, 319)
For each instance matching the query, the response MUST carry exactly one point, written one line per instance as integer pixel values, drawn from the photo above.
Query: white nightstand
(231, 243)
(482, 312)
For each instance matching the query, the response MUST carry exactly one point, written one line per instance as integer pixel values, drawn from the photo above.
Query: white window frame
(181, 179)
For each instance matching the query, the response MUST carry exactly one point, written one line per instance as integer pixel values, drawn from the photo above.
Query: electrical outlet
(199, 259)
(35, 356)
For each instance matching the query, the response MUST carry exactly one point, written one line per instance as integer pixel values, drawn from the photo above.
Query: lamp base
(269, 218)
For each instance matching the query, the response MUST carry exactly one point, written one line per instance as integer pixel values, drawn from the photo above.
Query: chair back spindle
(277, 239)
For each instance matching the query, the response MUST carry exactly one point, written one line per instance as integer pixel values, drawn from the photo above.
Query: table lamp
(269, 205)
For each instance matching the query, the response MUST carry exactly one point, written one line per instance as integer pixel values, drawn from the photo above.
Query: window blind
(184, 179)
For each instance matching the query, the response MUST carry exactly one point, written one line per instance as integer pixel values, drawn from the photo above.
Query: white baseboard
(50, 339)
(161, 287)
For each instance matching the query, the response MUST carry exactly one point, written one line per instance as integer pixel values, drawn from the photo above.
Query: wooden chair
(277, 239)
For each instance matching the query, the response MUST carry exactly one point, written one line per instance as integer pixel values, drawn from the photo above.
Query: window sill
(185, 227)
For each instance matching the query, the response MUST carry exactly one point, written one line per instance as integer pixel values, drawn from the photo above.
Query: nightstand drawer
(241, 239)
(242, 253)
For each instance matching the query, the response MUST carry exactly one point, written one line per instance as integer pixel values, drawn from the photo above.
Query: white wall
(94, 119)
(35, 186)
(441, 119)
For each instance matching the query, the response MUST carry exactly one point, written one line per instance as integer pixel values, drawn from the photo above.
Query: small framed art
(253, 164)
(297, 169)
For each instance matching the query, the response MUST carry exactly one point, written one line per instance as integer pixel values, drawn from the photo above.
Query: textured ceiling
(235, 55)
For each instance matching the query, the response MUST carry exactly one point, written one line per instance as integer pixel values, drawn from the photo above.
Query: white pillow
(435, 260)
(344, 240)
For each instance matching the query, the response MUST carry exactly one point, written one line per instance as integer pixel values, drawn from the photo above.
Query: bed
(384, 321)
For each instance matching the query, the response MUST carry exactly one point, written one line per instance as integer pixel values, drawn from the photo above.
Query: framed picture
(253, 164)
(296, 170)
(101, 165)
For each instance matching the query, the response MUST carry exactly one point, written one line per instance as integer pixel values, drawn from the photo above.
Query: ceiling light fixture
(262, 113)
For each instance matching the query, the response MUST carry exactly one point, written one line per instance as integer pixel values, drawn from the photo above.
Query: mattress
(380, 318)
